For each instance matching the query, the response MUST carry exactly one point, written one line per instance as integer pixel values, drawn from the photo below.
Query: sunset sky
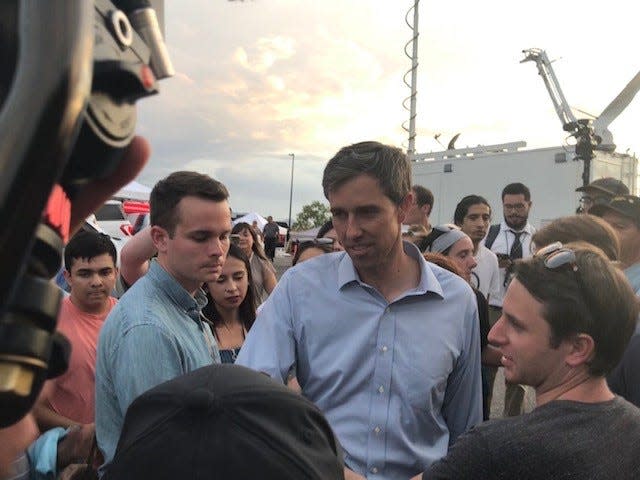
(260, 79)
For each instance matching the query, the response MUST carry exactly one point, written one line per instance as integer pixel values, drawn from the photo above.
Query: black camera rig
(72, 73)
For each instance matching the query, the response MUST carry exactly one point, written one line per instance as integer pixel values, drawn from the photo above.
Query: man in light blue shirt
(155, 333)
(386, 344)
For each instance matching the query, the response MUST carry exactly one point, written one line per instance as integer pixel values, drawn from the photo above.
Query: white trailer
(551, 174)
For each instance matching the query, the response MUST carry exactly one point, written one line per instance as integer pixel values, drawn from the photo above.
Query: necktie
(516, 248)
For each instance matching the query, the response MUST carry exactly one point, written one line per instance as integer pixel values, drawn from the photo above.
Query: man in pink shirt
(90, 270)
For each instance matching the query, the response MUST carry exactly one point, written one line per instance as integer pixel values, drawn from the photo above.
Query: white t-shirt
(502, 244)
(486, 275)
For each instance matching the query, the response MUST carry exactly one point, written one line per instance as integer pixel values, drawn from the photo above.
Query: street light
(293, 161)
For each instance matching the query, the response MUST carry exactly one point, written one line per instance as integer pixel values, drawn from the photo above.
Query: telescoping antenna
(413, 71)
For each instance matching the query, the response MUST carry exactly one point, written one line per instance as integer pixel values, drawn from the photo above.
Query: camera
(68, 113)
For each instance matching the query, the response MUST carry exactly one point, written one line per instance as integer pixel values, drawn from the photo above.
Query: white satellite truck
(552, 174)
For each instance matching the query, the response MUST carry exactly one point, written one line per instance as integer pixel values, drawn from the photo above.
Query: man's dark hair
(390, 166)
(517, 189)
(463, 207)
(595, 298)
(168, 192)
(328, 225)
(423, 195)
(586, 228)
(88, 245)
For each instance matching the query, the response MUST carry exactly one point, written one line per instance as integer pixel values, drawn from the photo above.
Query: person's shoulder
(449, 281)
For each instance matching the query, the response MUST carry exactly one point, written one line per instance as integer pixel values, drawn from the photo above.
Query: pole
(293, 161)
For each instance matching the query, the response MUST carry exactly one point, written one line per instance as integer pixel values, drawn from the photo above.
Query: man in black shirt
(557, 333)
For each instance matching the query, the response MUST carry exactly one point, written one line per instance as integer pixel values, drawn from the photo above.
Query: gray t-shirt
(560, 440)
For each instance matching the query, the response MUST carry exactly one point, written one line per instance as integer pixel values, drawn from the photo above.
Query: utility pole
(293, 161)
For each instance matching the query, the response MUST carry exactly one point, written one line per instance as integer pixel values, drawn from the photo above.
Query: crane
(589, 133)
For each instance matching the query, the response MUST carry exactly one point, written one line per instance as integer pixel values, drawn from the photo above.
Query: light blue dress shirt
(633, 275)
(152, 335)
(398, 382)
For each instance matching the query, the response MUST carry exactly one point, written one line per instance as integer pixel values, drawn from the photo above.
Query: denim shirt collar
(174, 290)
(428, 282)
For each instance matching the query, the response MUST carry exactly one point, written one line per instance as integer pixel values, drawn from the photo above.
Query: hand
(504, 262)
(351, 475)
(96, 192)
(76, 445)
(417, 477)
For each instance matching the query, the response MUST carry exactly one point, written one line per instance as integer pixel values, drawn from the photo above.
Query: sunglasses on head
(557, 256)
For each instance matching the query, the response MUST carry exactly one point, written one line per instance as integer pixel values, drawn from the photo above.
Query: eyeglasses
(556, 255)
(518, 207)
(597, 200)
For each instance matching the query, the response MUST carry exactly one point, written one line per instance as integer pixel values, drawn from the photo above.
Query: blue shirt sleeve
(462, 407)
(270, 345)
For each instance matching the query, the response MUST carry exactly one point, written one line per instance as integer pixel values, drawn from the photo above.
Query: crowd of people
(374, 356)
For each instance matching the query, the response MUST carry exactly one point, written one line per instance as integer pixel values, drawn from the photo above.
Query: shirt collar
(506, 228)
(428, 282)
(174, 290)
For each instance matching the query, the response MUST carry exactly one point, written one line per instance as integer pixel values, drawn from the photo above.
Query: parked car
(113, 220)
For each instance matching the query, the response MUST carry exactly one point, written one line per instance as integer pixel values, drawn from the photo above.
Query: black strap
(494, 230)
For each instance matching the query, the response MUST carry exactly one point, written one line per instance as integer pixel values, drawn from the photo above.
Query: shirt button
(384, 348)
(374, 470)
(380, 389)
(377, 430)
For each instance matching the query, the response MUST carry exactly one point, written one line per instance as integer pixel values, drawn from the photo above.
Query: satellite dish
(452, 143)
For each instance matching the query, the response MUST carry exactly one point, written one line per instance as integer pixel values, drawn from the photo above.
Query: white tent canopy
(133, 191)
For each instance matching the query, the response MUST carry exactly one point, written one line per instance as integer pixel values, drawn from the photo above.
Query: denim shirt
(152, 335)
(398, 382)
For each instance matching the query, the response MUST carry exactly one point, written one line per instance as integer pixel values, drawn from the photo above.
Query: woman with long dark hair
(231, 310)
(262, 271)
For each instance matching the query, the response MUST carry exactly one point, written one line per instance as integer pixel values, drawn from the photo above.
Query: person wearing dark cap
(600, 191)
(224, 422)
(623, 214)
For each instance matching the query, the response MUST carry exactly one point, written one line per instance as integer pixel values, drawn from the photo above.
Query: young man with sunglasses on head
(557, 334)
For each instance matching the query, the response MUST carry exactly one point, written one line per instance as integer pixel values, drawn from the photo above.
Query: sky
(260, 79)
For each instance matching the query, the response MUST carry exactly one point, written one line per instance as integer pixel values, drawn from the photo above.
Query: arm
(270, 346)
(462, 406)
(494, 283)
(135, 255)
(269, 280)
(47, 418)
(467, 459)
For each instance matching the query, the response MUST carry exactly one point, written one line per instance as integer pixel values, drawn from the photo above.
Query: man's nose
(353, 227)
(496, 334)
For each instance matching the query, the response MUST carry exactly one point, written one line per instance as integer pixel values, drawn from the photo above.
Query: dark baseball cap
(625, 205)
(222, 422)
(608, 186)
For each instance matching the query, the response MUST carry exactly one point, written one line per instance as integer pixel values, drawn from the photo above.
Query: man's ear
(426, 209)
(581, 349)
(405, 205)
(160, 238)
(67, 276)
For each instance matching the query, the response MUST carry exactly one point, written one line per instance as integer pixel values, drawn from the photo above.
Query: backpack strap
(494, 230)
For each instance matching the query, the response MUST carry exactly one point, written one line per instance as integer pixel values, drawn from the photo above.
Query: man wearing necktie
(510, 241)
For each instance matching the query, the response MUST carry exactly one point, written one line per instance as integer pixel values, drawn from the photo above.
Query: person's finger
(96, 192)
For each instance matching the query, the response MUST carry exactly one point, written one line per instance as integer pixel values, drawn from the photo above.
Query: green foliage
(312, 215)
